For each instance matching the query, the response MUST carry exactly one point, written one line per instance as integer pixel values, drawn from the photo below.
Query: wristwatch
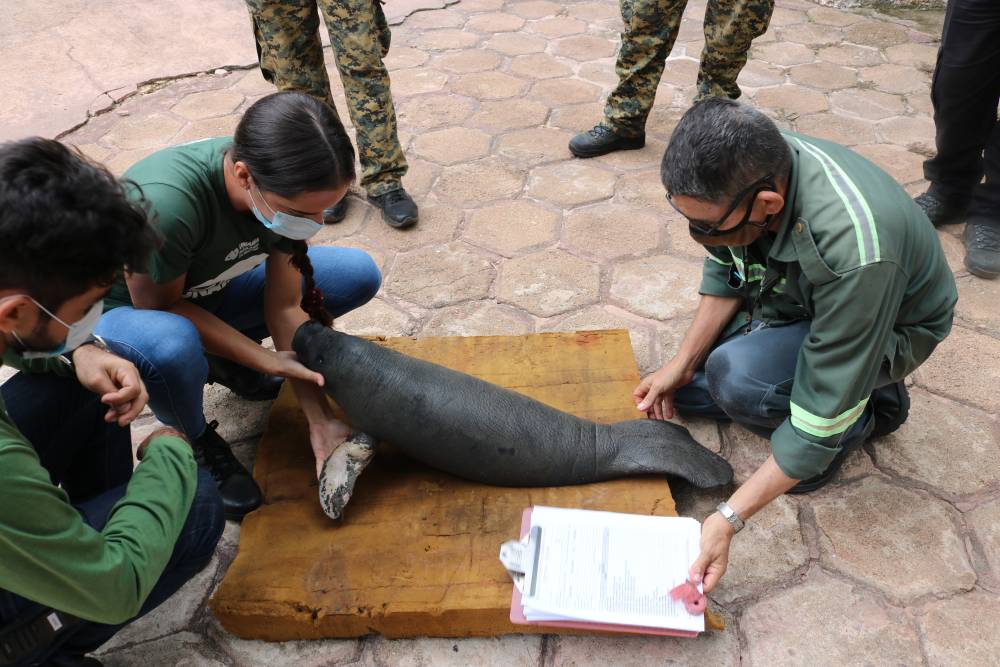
(730, 515)
(92, 339)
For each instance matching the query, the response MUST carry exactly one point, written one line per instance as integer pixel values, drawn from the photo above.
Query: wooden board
(416, 554)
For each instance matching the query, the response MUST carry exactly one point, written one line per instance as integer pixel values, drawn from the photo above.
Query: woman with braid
(234, 268)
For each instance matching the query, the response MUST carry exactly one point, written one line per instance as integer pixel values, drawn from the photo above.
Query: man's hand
(115, 379)
(325, 436)
(166, 430)
(286, 365)
(716, 535)
(655, 394)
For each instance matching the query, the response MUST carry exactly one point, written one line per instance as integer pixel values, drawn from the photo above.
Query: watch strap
(730, 515)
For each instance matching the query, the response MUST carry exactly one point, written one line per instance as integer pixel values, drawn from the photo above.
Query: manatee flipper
(341, 470)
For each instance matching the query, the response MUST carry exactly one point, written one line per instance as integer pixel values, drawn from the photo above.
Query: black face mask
(706, 229)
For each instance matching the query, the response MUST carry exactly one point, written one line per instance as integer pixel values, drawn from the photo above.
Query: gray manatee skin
(481, 432)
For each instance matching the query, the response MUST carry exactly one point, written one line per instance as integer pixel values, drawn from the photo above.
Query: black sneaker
(240, 494)
(941, 211)
(335, 213)
(982, 248)
(398, 208)
(891, 405)
(244, 382)
(602, 140)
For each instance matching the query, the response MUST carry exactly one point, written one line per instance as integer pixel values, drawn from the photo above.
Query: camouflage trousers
(291, 57)
(650, 30)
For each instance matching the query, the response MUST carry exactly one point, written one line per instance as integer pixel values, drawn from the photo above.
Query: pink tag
(694, 600)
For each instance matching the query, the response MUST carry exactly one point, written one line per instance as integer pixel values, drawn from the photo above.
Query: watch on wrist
(92, 339)
(730, 515)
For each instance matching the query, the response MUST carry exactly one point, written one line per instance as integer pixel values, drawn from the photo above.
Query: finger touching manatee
(478, 431)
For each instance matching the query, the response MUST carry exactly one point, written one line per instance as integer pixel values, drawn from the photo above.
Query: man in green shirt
(86, 544)
(824, 287)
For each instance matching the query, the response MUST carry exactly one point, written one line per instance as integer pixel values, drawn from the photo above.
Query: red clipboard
(517, 610)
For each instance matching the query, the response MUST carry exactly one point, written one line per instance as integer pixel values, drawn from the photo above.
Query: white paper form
(615, 568)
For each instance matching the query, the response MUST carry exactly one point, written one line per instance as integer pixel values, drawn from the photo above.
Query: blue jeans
(748, 379)
(167, 349)
(92, 461)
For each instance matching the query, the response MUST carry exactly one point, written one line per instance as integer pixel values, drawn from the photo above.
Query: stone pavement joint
(895, 562)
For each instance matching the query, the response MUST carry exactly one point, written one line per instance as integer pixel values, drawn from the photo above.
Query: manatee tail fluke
(654, 446)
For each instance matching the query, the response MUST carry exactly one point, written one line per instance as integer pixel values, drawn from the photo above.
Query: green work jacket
(856, 257)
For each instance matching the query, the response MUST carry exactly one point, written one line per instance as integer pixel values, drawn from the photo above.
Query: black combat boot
(602, 140)
(398, 208)
(942, 211)
(982, 248)
(335, 213)
(240, 494)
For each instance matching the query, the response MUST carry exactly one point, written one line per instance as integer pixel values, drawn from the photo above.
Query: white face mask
(78, 334)
(287, 225)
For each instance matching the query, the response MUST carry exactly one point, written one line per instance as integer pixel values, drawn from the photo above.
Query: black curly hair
(66, 224)
(293, 143)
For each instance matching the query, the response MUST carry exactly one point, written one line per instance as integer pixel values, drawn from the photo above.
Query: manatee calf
(479, 431)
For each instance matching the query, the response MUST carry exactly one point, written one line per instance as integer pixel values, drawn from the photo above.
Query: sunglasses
(708, 228)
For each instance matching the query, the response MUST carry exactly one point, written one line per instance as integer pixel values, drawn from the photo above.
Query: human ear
(13, 312)
(242, 174)
(773, 202)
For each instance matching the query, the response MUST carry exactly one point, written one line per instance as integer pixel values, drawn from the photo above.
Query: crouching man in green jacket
(86, 544)
(824, 287)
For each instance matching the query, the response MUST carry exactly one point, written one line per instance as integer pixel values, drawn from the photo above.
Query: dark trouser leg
(730, 28)
(649, 33)
(965, 92)
(92, 460)
(65, 424)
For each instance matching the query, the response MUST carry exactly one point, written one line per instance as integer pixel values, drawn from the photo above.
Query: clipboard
(517, 610)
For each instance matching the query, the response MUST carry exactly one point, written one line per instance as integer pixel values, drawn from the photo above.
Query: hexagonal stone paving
(660, 287)
(840, 129)
(962, 630)
(870, 104)
(440, 276)
(947, 446)
(495, 22)
(956, 369)
(478, 182)
(793, 627)
(571, 183)
(858, 538)
(985, 528)
(453, 145)
(534, 146)
(499, 115)
(508, 228)
(438, 224)
(548, 283)
(824, 76)
(597, 231)
(490, 85)
(791, 98)
(477, 319)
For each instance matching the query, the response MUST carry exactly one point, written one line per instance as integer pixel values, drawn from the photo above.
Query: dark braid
(292, 143)
(312, 297)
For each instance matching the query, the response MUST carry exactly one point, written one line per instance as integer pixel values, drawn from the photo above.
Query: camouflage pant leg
(730, 27)
(359, 36)
(288, 46)
(650, 30)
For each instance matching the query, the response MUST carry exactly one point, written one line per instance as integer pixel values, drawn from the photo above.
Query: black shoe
(398, 208)
(982, 248)
(335, 213)
(822, 479)
(244, 382)
(941, 211)
(602, 140)
(891, 405)
(239, 492)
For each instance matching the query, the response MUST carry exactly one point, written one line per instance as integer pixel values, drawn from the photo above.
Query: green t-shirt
(204, 237)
